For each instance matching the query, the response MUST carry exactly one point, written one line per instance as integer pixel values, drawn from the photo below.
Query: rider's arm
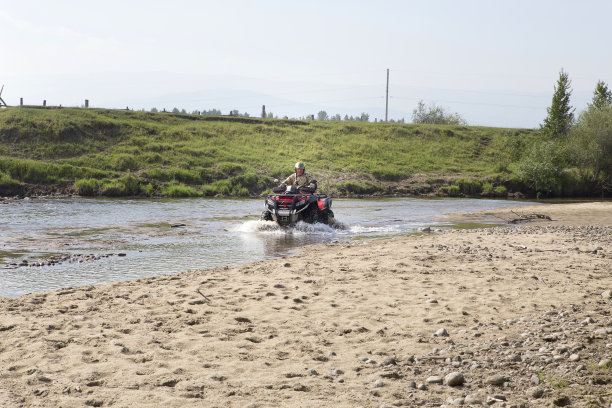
(289, 180)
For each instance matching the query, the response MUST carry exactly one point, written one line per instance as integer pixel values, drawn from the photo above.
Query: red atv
(290, 204)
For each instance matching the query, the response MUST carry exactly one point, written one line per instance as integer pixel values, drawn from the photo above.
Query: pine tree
(602, 96)
(560, 113)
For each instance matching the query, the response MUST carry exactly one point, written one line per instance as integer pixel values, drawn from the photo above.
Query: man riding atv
(295, 200)
(300, 177)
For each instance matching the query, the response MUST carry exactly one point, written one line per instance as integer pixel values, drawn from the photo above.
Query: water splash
(271, 227)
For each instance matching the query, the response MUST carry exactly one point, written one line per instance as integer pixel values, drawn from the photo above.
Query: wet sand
(519, 314)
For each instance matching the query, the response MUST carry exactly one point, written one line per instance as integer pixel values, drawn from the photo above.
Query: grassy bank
(114, 153)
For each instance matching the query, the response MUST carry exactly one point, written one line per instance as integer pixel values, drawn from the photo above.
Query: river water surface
(216, 232)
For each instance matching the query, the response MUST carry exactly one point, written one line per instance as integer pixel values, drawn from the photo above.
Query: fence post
(20, 101)
(86, 103)
(44, 103)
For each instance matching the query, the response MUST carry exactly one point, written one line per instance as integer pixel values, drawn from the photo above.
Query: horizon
(495, 65)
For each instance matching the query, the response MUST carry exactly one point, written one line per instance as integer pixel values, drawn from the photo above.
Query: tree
(322, 115)
(364, 117)
(542, 168)
(175, 110)
(590, 145)
(602, 96)
(435, 115)
(154, 110)
(560, 113)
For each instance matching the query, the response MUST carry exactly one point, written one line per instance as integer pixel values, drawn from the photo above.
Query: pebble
(454, 379)
(335, 373)
(412, 384)
(606, 362)
(588, 320)
(472, 400)
(441, 332)
(378, 384)
(389, 361)
(492, 400)
(434, 379)
(535, 392)
(432, 301)
(422, 387)
(607, 294)
(574, 357)
(562, 401)
(496, 380)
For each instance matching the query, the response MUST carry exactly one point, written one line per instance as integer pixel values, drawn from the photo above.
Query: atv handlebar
(307, 189)
(281, 189)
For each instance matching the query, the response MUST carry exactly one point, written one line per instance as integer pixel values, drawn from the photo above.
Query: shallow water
(217, 232)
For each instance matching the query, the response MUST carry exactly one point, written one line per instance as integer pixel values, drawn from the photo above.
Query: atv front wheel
(312, 217)
(327, 217)
(266, 216)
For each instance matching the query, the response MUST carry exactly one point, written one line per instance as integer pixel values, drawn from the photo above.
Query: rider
(300, 177)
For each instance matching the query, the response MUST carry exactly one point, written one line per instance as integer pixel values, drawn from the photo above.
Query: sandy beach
(513, 316)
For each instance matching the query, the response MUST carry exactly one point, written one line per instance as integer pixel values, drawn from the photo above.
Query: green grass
(167, 154)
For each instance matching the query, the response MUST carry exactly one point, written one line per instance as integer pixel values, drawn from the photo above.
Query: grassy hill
(114, 153)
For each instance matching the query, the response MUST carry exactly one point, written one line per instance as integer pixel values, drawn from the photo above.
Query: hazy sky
(493, 62)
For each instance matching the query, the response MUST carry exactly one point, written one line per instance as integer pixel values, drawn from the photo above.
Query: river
(216, 232)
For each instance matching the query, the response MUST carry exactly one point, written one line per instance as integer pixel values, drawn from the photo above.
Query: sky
(493, 62)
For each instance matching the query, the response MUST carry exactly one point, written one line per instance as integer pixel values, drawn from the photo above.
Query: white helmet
(300, 165)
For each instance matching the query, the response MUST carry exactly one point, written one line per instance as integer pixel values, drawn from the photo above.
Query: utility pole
(387, 99)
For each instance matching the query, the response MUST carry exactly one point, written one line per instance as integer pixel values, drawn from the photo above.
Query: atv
(290, 204)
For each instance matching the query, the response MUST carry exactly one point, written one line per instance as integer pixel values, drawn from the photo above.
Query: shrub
(468, 186)
(87, 187)
(541, 170)
(125, 162)
(451, 191)
(501, 192)
(131, 185)
(184, 176)
(487, 190)
(112, 188)
(590, 144)
(157, 174)
(146, 189)
(8, 186)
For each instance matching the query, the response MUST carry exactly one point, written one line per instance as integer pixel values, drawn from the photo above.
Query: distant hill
(119, 152)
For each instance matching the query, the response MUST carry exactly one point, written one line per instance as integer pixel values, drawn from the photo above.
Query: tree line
(572, 151)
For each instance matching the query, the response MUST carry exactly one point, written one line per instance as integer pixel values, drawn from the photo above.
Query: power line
(472, 103)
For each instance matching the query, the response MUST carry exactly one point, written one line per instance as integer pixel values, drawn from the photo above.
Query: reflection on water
(215, 233)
